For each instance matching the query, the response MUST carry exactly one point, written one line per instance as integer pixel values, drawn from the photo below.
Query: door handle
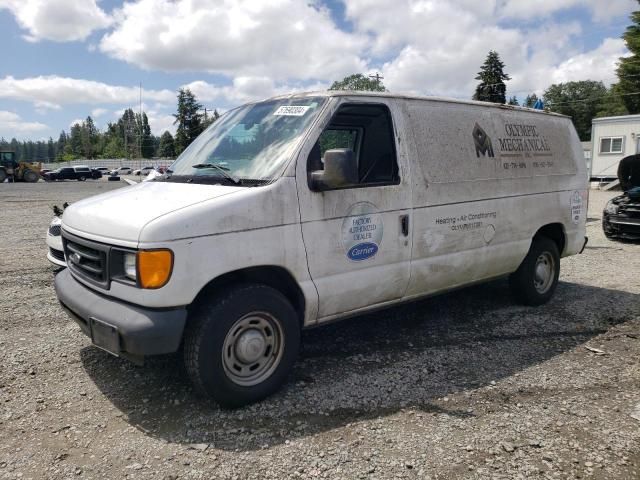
(404, 225)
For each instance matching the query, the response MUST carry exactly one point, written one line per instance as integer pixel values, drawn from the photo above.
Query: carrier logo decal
(576, 207)
(483, 142)
(362, 232)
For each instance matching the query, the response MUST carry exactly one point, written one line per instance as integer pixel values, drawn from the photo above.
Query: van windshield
(247, 145)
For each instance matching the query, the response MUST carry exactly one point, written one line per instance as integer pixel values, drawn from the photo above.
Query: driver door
(357, 238)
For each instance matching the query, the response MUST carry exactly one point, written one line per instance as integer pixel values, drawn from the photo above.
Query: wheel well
(555, 232)
(271, 275)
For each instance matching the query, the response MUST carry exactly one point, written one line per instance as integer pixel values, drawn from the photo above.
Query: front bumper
(621, 226)
(123, 329)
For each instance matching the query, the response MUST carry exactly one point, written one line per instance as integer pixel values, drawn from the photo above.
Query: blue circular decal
(362, 251)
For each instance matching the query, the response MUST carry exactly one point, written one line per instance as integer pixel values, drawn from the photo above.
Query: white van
(303, 209)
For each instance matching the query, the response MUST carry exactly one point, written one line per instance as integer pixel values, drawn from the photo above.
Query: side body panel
(485, 180)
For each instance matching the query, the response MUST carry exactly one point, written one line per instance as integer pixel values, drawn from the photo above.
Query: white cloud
(76, 121)
(54, 91)
(598, 64)
(601, 10)
(437, 46)
(245, 89)
(279, 39)
(159, 122)
(57, 20)
(98, 112)
(11, 124)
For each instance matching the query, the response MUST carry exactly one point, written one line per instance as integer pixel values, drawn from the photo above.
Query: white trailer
(612, 138)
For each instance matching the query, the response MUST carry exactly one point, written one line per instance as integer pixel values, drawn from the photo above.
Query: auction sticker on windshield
(292, 110)
(362, 231)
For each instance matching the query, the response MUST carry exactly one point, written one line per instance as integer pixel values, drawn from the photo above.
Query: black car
(621, 216)
(80, 173)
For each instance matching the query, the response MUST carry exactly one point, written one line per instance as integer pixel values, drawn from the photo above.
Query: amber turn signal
(154, 268)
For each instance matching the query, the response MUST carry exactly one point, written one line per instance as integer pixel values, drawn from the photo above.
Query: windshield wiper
(221, 168)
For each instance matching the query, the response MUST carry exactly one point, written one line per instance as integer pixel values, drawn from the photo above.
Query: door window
(367, 130)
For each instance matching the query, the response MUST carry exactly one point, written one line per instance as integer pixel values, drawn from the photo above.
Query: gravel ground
(465, 385)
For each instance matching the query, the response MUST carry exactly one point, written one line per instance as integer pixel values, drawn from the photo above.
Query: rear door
(357, 239)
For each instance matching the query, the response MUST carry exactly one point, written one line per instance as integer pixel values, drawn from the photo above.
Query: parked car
(228, 258)
(55, 254)
(103, 169)
(80, 173)
(121, 171)
(621, 216)
(96, 174)
(143, 171)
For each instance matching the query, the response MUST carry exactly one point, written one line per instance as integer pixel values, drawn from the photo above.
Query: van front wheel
(536, 279)
(240, 346)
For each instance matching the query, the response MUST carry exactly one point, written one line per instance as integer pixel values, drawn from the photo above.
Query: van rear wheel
(240, 346)
(536, 279)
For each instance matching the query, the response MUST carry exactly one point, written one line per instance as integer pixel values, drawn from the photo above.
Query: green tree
(208, 119)
(358, 81)
(166, 149)
(579, 100)
(188, 120)
(628, 70)
(51, 150)
(75, 141)
(492, 77)
(514, 101)
(147, 146)
(530, 101)
(62, 142)
(612, 104)
(89, 136)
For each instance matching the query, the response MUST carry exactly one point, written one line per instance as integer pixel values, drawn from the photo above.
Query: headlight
(129, 266)
(611, 208)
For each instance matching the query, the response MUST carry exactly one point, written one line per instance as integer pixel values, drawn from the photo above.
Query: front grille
(87, 259)
(55, 230)
(57, 254)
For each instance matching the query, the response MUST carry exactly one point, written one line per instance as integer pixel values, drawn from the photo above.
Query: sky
(66, 59)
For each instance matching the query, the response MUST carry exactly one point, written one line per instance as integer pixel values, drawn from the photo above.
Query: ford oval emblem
(362, 251)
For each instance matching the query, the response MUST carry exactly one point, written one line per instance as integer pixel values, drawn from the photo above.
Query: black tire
(216, 323)
(536, 279)
(82, 178)
(30, 176)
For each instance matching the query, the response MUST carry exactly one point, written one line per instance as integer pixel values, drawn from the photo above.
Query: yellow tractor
(17, 171)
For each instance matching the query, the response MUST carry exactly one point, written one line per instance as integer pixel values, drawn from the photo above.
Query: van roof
(407, 96)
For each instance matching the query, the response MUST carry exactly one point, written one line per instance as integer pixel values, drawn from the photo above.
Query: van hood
(121, 214)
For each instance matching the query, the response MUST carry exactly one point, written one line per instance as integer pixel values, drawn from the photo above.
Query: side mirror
(340, 170)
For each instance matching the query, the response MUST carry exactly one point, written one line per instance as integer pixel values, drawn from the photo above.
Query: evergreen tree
(188, 120)
(51, 151)
(147, 146)
(530, 101)
(75, 141)
(513, 101)
(166, 149)
(628, 70)
(62, 142)
(492, 77)
(89, 136)
(209, 119)
(357, 81)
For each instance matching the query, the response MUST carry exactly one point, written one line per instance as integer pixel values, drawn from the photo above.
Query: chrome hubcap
(252, 349)
(544, 272)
